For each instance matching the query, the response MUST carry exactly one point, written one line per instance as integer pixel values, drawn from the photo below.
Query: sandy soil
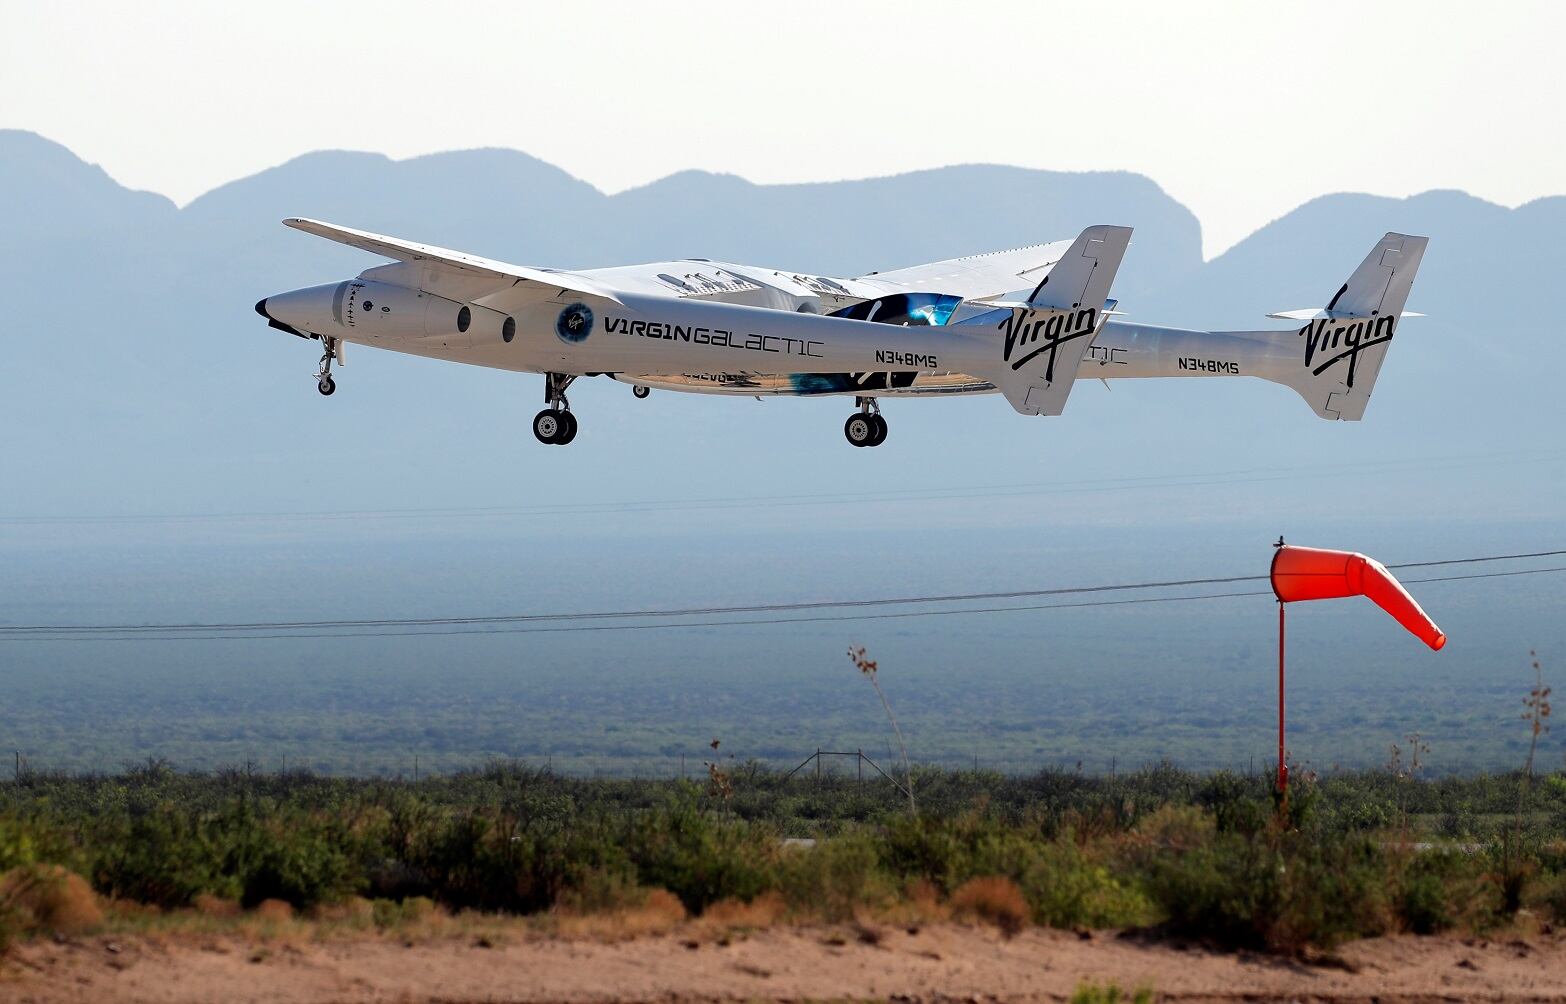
(948, 962)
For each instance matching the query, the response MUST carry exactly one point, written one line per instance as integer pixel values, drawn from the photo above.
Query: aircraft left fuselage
(1025, 323)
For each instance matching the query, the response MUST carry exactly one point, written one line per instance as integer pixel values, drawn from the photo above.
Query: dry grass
(274, 911)
(415, 920)
(355, 911)
(919, 905)
(50, 898)
(992, 900)
(659, 912)
(216, 906)
(734, 914)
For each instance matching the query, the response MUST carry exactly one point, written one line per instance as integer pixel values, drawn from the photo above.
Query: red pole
(1283, 767)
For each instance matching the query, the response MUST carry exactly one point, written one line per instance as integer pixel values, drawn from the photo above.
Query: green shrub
(301, 861)
(700, 857)
(1547, 896)
(927, 848)
(1065, 886)
(1109, 993)
(1236, 803)
(598, 890)
(166, 858)
(1278, 892)
(481, 860)
(1441, 889)
(1210, 855)
(833, 878)
(1332, 890)
(1216, 890)
(1067, 889)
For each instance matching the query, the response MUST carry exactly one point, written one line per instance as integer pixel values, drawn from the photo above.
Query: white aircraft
(1025, 323)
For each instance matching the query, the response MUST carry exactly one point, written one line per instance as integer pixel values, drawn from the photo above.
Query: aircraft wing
(471, 266)
(976, 277)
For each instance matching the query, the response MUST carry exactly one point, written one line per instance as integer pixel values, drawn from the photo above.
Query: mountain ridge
(135, 365)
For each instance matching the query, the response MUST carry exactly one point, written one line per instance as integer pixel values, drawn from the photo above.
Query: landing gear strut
(555, 425)
(323, 380)
(866, 427)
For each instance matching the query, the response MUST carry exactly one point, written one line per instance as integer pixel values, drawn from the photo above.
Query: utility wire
(622, 614)
(772, 620)
(415, 627)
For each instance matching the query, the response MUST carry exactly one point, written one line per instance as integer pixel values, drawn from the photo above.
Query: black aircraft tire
(859, 430)
(880, 431)
(567, 429)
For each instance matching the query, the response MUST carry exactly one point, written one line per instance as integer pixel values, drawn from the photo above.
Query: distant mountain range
(135, 377)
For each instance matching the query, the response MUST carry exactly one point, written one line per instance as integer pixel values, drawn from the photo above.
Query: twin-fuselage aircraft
(1025, 324)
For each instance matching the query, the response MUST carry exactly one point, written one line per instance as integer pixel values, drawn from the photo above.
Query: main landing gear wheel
(867, 427)
(640, 392)
(860, 430)
(326, 385)
(553, 427)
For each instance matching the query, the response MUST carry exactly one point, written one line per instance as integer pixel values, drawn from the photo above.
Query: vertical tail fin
(1045, 338)
(1381, 283)
(1343, 344)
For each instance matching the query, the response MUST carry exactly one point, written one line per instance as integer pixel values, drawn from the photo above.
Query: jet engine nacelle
(483, 326)
(382, 310)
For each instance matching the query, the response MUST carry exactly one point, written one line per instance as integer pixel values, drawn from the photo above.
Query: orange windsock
(1310, 573)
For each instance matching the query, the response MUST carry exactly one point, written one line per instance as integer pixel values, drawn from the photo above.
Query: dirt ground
(946, 962)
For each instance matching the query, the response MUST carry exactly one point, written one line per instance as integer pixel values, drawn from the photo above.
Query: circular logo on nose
(574, 324)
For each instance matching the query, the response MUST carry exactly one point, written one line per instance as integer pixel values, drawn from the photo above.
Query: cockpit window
(909, 309)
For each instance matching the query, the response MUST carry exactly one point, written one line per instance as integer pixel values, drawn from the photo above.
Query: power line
(620, 614)
(763, 621)
(426, 627)
(697, 611)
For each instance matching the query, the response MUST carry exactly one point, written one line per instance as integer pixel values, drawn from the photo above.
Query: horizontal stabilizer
(1019, 301)
(1313, 313)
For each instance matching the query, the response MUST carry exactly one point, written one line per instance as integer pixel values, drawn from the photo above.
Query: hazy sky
(1242, 110)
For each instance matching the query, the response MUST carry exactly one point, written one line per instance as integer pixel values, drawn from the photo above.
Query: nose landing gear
(555, 425)
(867, 427)
(323, 380)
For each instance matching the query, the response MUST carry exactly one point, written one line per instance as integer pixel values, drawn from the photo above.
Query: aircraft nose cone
(261, 308)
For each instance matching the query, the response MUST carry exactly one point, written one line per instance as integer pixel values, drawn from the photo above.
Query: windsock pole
(1311, 573)
(1283, 765)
